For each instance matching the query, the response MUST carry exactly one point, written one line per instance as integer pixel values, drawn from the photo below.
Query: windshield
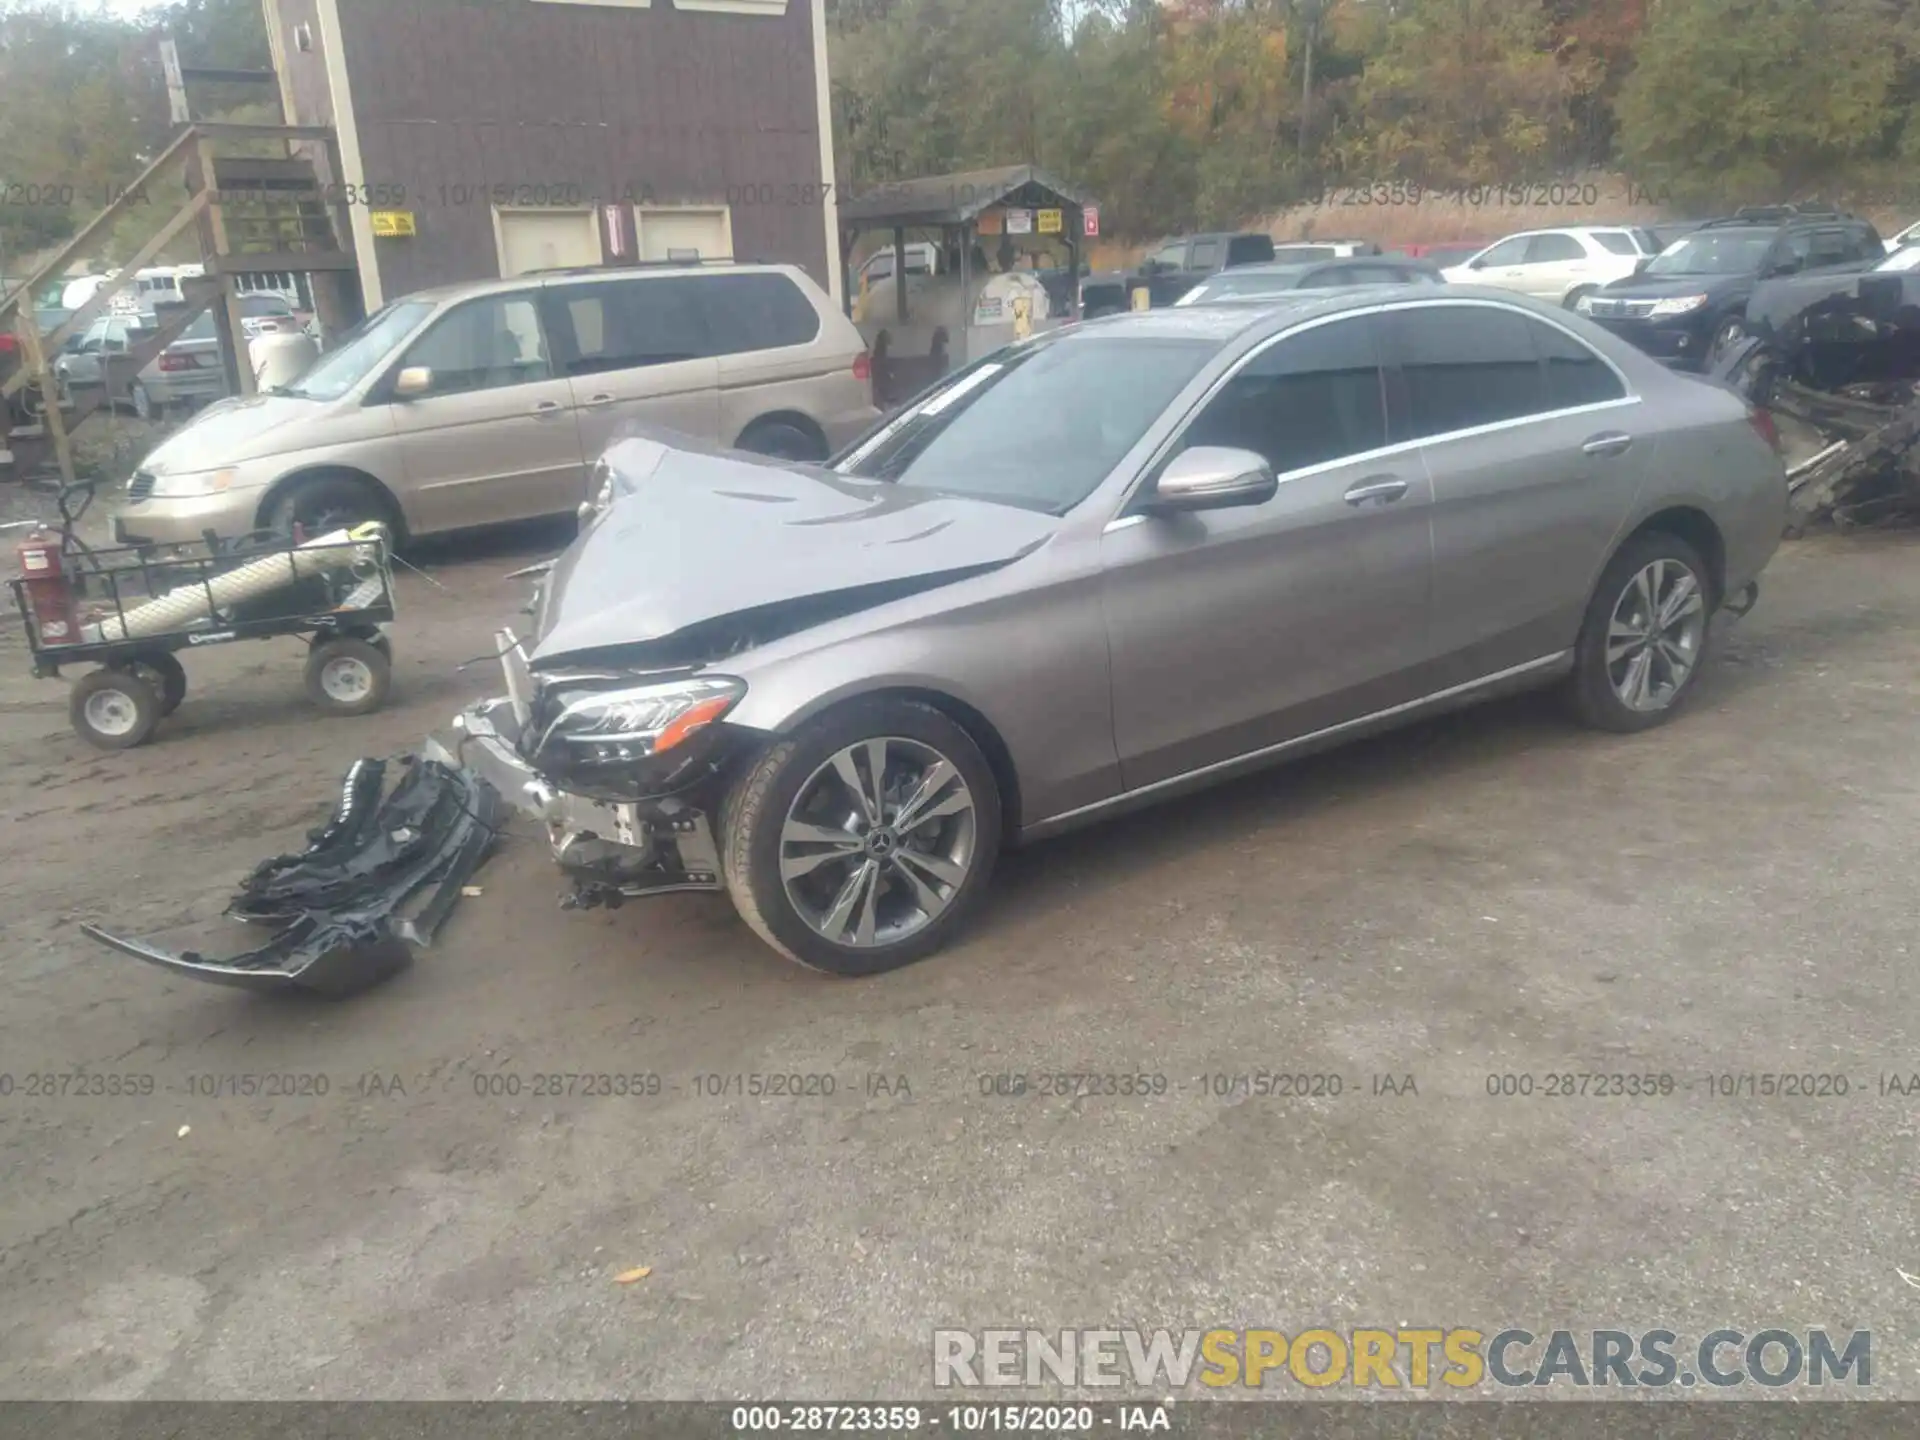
(201, 328)
(1714, 252)
(1038, 425)
(1907, 259)
(254, 305)
(1265, 282)
(369, 343)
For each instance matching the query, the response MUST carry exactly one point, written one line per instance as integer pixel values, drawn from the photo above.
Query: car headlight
(1678, 305)
(623, 723)
(182, 486)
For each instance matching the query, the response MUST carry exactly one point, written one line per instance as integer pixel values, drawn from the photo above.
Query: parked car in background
(1172, 269)
(1559, 265)
(1665, 232)
(487, 402)
(1251, 281)
(1446, 253)
(1691, 300)
(1299, 252)
(923, 258)
(187, 374)
(83, 362)
(266, 313)
(1215, 541)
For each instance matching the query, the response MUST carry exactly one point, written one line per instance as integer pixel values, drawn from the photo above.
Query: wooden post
(56, 423)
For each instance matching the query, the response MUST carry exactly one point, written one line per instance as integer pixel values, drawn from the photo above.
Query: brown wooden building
(517, 135)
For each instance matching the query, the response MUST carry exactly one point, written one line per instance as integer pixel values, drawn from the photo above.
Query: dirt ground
(1494, 893)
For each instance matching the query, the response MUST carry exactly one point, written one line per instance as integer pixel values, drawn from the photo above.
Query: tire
(326, 503)
(1598, 687)
(797, 781)
(164, 675)
(144, 407)
(348, 676)
(1574, 296)
(783, 440)
(114, 709)
(1727, 333)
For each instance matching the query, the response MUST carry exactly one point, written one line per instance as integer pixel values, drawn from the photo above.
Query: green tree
(1750, 98)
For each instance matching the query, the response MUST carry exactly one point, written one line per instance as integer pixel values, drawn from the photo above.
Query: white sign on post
(1019, 222)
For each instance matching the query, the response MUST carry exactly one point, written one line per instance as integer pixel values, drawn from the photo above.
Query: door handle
(1613, 443)
(548, 409)
(594, 402)
(1385, 489)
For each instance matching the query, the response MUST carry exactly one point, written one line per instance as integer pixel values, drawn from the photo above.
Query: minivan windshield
(1038, 425)
(359, 353)
(1713, 252)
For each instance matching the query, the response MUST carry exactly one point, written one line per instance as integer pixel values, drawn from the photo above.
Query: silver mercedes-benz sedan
(1100, 567)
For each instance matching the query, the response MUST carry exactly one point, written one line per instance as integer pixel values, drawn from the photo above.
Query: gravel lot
(1492, 893)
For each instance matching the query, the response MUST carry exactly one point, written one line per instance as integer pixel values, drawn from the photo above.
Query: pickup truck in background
(1173, 268)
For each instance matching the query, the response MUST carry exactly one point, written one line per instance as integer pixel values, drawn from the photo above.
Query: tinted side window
(483, 345)
(625, 325)
(1206, 254)
(1616, 242)
(756, 312)
(1830, 247)
(1249, 250)
(1554, 249)
(1174, 255)
(1507, 252)
(1313, 397)
(1465, 365)
(1575, 375)
(1332, 275)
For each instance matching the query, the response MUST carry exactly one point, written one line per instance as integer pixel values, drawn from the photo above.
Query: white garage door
(689, 233)
(547, 240)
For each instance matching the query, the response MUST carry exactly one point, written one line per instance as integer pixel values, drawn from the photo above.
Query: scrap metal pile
(380, 877)
(1842, 360)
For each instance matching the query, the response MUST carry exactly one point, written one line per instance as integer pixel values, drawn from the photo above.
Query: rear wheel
(114, 709)
(144, 405)
(1644, 637)
(164, 674)
(348, 676)
(864, 842)
(1730, 332)
(783, 440)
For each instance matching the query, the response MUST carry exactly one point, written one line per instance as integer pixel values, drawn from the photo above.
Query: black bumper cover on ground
(379, 878)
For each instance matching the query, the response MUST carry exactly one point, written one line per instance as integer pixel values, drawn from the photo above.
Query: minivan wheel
(781, 439)
(327, 503)
(864, 841)
(1575, 295)
(1644, 637)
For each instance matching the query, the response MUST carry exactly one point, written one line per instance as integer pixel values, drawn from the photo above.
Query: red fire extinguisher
(49, 594)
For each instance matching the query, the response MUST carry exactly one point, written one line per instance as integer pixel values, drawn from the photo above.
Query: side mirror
(1212, 477)
(413, 381)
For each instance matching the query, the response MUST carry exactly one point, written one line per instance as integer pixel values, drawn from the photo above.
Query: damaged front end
(1840, 360)
(624, 770)
(376, 881)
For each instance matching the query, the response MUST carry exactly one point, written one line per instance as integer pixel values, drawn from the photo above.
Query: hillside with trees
(1176, 113)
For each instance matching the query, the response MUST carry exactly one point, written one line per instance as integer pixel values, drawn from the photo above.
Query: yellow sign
(1050, 222)
(392, 224)
(1142, 298)
(989, 222)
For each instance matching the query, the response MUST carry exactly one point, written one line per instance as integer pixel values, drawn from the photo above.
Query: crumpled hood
(695, 535)
(232, 430)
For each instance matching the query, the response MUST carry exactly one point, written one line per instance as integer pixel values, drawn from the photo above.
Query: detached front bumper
(612, 850)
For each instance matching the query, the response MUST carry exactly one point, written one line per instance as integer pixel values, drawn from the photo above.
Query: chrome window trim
(1275, 751)
(1167, 447)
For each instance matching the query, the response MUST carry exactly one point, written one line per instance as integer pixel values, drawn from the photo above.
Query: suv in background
(1691, 300)
(493, 401)
(1559, 265)
(1174, 268)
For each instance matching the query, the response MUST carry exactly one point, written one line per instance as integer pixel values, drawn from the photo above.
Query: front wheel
(782, 440)
(114, 709)
(1644, 637)
(863, 843)
(323, 504)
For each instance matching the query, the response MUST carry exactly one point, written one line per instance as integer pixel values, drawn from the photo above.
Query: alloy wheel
(878, 842)
(1654, 635)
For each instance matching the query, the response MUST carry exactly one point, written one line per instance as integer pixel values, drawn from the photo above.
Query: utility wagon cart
(131, 611)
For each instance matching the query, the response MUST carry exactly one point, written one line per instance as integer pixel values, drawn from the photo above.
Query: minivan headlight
(194, 483)
(635, 722)
(1678, 305)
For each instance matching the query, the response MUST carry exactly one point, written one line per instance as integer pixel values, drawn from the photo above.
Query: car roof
(1286, 308)
(470, 289)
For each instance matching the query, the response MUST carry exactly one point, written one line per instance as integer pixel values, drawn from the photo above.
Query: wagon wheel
(164, 673)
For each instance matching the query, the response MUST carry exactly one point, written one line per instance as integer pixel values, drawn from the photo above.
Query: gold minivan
(488, 402)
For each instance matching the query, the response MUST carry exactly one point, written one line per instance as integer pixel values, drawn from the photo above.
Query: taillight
(8, 344)
(1762, 422)
(177, 362)
(863, 367)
